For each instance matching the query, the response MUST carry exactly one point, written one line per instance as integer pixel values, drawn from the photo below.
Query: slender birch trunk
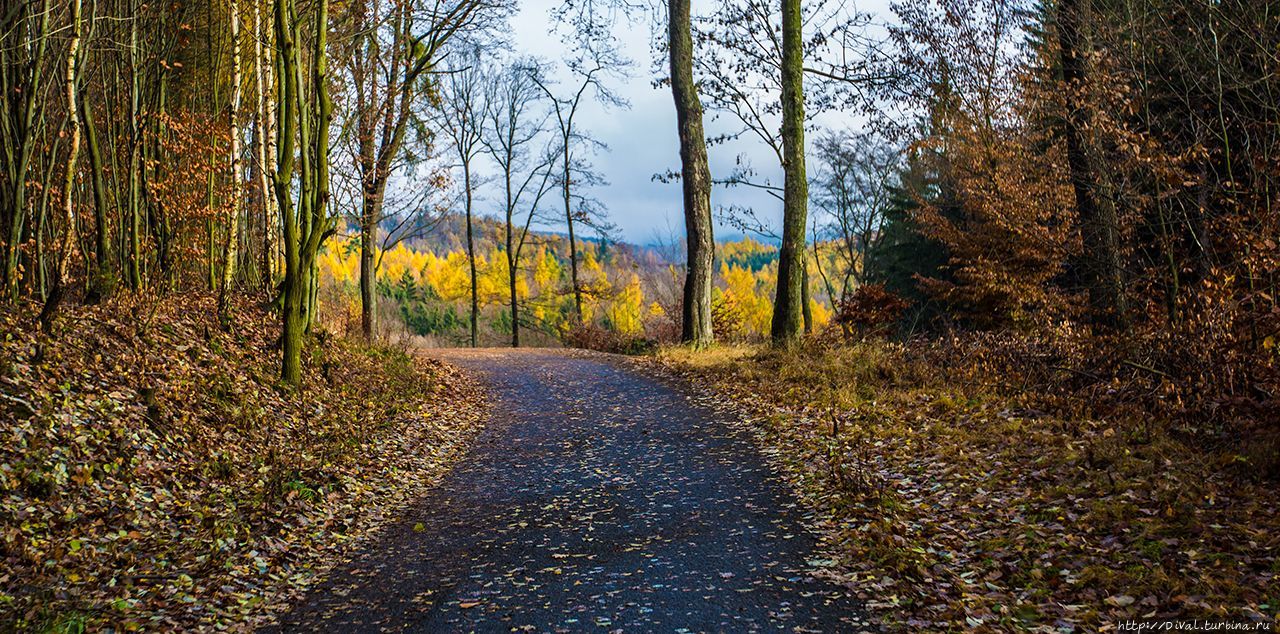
(63, 263)
(231, 241)
(262, 143)
(73, 115)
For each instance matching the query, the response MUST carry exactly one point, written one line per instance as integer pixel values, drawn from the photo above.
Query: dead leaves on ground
(153, 475)
(956, 511)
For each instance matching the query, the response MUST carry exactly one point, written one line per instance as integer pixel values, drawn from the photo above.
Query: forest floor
(598, 498)
(155, 476)
(950, 506)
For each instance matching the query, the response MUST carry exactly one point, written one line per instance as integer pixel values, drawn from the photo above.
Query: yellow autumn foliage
(612, 291)
(627, 309)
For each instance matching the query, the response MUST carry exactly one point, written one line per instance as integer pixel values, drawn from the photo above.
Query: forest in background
(631, 294)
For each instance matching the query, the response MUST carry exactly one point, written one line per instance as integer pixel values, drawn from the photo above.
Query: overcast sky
(642, 139)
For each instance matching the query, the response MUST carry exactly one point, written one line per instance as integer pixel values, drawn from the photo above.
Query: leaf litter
(154, 476)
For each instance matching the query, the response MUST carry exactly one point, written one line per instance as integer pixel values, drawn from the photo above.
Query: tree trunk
(511, 280)
(265, 147)
(161, 226)
(73, 116)
(368, 231)
(37, 284)
(573, 240)
(292, 289)
(39, 257)
(133, 252)
(305, 113)
(806, 309)
(695, 180)
(210, 178)
(788, 308)
(1099, 225)
(99, 276)
(231, 241)
(471, 256)
(63, 262)
(20, 142)
(318, 223)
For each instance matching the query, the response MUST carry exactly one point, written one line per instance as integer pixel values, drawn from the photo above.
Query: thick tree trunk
(788, 309)
(1099, 225)
(305, 116)
(319, 220)
(291, 336)
(292, 289)
(695, 180)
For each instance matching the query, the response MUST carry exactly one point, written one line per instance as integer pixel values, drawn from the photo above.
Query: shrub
(593, 337)
(871, 311)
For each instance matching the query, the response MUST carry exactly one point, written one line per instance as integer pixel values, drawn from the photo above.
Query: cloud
(642, 140)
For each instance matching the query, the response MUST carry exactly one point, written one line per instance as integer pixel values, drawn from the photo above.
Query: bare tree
(596, 62)
(589, 17)
(852, 190)
(462, 110)
(514, 122)
(389, 56)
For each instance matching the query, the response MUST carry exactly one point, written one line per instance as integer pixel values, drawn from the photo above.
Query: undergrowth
(954, 498)
(155, 475)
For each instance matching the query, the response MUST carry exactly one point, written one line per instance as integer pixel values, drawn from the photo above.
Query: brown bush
(593, 337)
(871, 311)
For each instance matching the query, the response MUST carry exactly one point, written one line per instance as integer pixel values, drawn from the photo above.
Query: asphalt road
(600, 498)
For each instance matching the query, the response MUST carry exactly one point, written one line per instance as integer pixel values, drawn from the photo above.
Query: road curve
(599, 498)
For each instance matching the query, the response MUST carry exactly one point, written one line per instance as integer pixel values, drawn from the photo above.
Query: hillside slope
(154, 476)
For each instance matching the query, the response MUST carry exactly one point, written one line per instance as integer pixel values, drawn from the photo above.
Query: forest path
(599, 498)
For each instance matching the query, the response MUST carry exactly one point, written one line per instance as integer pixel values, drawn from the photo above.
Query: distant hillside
(450, 236)
(630, 290)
